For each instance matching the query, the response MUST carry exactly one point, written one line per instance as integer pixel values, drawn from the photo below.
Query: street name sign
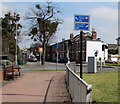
(81, 22)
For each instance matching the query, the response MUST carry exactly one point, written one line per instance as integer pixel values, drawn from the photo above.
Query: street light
(67, 47)
(16, 47)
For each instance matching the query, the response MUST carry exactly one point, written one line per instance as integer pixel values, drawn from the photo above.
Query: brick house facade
(73, 45)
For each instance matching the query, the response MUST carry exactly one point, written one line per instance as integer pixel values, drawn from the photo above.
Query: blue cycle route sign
(57, 46)
(81, 22)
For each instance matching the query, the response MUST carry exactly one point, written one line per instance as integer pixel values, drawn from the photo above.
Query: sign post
(57, 46)
(40, 50)
(96, 55)
(81, 22)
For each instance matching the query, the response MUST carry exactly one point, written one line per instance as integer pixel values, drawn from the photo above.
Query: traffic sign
(81, 22)
(96, 54)
(57, 46)
(81, 26)
(40, 49)
(81, 18)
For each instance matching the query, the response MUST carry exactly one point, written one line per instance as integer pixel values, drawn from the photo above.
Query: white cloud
(105, 13)
(105, 20)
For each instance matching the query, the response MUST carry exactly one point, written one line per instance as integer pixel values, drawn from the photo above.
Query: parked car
(64, 60)
(32, 58)
(55, 59)
(5, 62)
(4, 57)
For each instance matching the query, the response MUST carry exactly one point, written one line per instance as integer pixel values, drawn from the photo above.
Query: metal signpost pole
(104, 55)
(101, 64)
(57, 61)
(81, 22)
(81, 45)
(96, 54)
(40, 58)
(57, 46)
(40, 50)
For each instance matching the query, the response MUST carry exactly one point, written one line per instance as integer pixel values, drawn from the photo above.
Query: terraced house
(91, 45)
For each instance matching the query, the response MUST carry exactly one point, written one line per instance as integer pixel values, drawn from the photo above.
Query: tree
(8, 26)
(45, 24)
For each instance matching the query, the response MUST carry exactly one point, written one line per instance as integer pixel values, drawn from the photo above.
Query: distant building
(113, 53)
(112, 49)
(91, 44)
(96, 46)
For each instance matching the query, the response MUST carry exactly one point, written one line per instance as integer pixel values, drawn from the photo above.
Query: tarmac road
(34, 66)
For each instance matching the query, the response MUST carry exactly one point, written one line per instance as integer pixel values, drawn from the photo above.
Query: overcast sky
(103, 17)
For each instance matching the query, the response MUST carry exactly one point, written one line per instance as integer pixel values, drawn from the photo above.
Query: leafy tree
(8, 26)
(45, 23)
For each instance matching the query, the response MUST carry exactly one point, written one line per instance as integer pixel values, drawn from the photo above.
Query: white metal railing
(79, 90)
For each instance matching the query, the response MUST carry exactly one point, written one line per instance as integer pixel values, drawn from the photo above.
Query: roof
(118, 38)
(112, 46)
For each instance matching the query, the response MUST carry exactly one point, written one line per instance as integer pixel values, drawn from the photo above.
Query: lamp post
(68, 57)
(118, 42)
(16, 47)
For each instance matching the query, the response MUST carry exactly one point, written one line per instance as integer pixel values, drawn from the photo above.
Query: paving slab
(38, 86)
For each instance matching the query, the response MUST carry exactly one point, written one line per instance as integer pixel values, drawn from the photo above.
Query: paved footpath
(37, 86)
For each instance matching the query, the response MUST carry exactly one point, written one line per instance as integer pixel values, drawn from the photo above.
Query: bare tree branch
(45, 23)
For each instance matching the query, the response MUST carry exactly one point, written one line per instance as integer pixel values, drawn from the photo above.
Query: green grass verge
(109, 64)
(104, 85)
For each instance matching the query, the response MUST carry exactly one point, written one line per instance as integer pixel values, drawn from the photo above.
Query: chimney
(71, 35)
(63, 39)
(94, 34)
